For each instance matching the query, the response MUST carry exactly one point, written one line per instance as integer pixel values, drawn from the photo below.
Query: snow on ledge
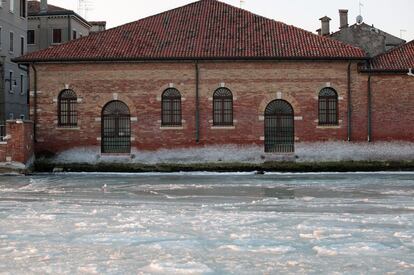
(305, 152)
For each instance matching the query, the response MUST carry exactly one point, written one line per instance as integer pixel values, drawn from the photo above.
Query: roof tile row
(207, 29)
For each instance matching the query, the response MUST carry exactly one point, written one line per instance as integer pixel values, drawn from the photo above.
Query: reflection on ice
(207, 223)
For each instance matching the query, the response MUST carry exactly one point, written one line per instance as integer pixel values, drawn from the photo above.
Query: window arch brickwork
(223, 107)
(67, 109)
(328, 107)
(279, 127)
(116, 128)
(171, 108)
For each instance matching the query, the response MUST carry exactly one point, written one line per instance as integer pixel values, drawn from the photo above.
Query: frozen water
(207, 223)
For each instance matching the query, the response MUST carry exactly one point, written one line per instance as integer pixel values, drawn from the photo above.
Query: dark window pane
(57, 36)
(328, 107)
(67, 116)
(116, 128)
(30, 37)
(171, 108)
(222, 107)
(279, 127)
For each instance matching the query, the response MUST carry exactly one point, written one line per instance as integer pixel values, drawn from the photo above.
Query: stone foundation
(305, 152)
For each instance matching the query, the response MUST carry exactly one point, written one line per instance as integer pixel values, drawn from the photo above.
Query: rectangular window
(11, 41)
(23, 8)
(57, 36)
(22, 84)
(11, 81)
(12, 5)
(30, 37)
(1, 33)
(74, 35)
(21, 45)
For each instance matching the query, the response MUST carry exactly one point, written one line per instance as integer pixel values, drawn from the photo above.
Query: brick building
(209, 81)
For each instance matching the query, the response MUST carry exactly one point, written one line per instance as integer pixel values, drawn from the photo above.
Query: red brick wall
(140, 85)
(18, 146)
(393, 107)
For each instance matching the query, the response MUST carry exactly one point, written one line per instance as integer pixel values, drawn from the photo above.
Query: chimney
(319, 31)
(325, 30)
(43, 6)
(343, 19)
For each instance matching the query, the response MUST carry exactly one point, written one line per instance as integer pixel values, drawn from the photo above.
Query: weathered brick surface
(393, 107)
(254, 85)
(18, 146)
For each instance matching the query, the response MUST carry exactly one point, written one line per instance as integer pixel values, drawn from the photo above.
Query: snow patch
(170, 268)
(305, 152)
(323, 251)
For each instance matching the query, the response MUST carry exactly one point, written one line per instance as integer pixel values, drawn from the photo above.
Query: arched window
(116, 128)
(171, 108)
(279, 127)
(328, 107)
(67, 111)
(223, 107)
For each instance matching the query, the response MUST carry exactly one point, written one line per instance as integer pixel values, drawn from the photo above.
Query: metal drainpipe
(35, 104)
(197, 104)
(349, 103)
(369, 110)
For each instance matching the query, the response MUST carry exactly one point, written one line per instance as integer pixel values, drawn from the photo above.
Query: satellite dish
(359, 19)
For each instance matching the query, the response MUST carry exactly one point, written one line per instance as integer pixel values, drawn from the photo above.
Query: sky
(393, 16)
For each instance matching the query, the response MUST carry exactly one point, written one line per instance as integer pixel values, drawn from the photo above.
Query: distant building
(97, 26)
(372, 40)
(13, 80)
(49, 25)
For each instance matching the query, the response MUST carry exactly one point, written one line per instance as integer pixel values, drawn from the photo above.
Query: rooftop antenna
(84, 6)
(402, 33)
(359, 18)
(242, 3)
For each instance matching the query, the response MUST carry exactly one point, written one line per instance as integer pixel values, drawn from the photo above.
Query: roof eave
(128, 59)
(385, 71)
(62, 13)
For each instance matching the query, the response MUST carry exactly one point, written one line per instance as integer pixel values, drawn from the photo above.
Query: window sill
(119, 155)
(328, 127)
(172, 128)
(269, 154)
(67, 128)
(224, 127)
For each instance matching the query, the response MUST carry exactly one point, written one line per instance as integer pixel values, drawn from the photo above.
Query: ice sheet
(207, 223)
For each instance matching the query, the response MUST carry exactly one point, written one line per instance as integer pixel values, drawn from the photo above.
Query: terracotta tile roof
(397, 59)
(207, 29)
(34, 8)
